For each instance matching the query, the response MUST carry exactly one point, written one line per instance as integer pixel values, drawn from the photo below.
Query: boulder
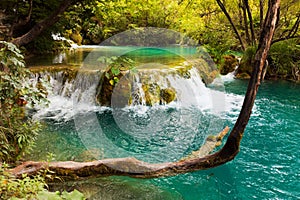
(229, 65)
(167, 95)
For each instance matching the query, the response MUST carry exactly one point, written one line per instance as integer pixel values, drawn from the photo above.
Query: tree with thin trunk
(135, 168)
(223, 8)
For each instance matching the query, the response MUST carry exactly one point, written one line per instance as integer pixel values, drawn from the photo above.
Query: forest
(45, 151)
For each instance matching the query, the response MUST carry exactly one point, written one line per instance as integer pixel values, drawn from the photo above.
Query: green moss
(152, 93)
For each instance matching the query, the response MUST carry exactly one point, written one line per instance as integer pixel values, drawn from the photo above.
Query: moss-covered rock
(106, 88)
(167, 95)
(207, 70)
(184, 71)
(229, 64)
(243, 75)
(152, 93)
(245, 68)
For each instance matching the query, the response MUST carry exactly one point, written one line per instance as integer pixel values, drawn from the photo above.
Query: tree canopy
(220, 26)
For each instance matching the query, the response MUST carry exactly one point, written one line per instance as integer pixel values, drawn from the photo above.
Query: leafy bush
(247, 61)
(30, 188)
(284, 56)
(17, 130)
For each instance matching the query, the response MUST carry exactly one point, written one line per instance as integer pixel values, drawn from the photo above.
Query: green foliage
(249, 54)
(284, 56)
(25, 188)
(17, 130)
(246, 64)
(93, 21)
(42, 44)
(115, 66)
(30, 188)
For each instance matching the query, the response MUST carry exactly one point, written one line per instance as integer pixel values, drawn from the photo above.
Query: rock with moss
(152, 93)
(243, 75)
(76, 37)
(229, 64)
(114, 88)
(167, 95)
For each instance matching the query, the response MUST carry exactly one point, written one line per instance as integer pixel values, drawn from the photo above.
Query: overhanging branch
(41, 26)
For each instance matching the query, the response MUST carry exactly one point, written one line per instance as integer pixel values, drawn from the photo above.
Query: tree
(136, 168)
(38, 28)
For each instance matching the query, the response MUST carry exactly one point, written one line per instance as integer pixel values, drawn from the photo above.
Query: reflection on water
(90, 54)
(120, 188)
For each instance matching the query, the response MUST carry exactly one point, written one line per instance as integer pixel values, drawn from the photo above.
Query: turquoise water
(267, 166)
(88, 55)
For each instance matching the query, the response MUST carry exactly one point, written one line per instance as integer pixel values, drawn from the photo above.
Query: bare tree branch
(291, 34)
(261, 13)
(246, 3)
(221, 5)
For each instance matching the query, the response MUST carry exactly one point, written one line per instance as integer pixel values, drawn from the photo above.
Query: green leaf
(115, 70)
(116, 79)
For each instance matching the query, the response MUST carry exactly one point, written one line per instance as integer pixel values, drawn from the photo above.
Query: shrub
(17, 130)
(283, 57)
(30, 188)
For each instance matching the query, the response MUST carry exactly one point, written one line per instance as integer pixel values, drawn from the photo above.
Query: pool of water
(267, 166)
(88, 55)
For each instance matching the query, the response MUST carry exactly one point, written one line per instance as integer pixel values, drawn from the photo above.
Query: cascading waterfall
(67, 92)
(79, 90)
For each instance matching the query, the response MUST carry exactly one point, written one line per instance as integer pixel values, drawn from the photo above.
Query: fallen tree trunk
(124, 166)
(135, 168)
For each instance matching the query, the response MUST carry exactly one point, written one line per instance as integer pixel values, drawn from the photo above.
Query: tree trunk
(41, 26)
(246, 3)
(248, 39)
(261, 13)
(135, 168)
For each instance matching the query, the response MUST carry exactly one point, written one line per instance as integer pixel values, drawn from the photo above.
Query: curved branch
(126, 166)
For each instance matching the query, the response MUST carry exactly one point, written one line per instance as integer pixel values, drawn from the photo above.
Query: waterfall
(189, 90)
(74, 92)
(230, 76)
(66, 92)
